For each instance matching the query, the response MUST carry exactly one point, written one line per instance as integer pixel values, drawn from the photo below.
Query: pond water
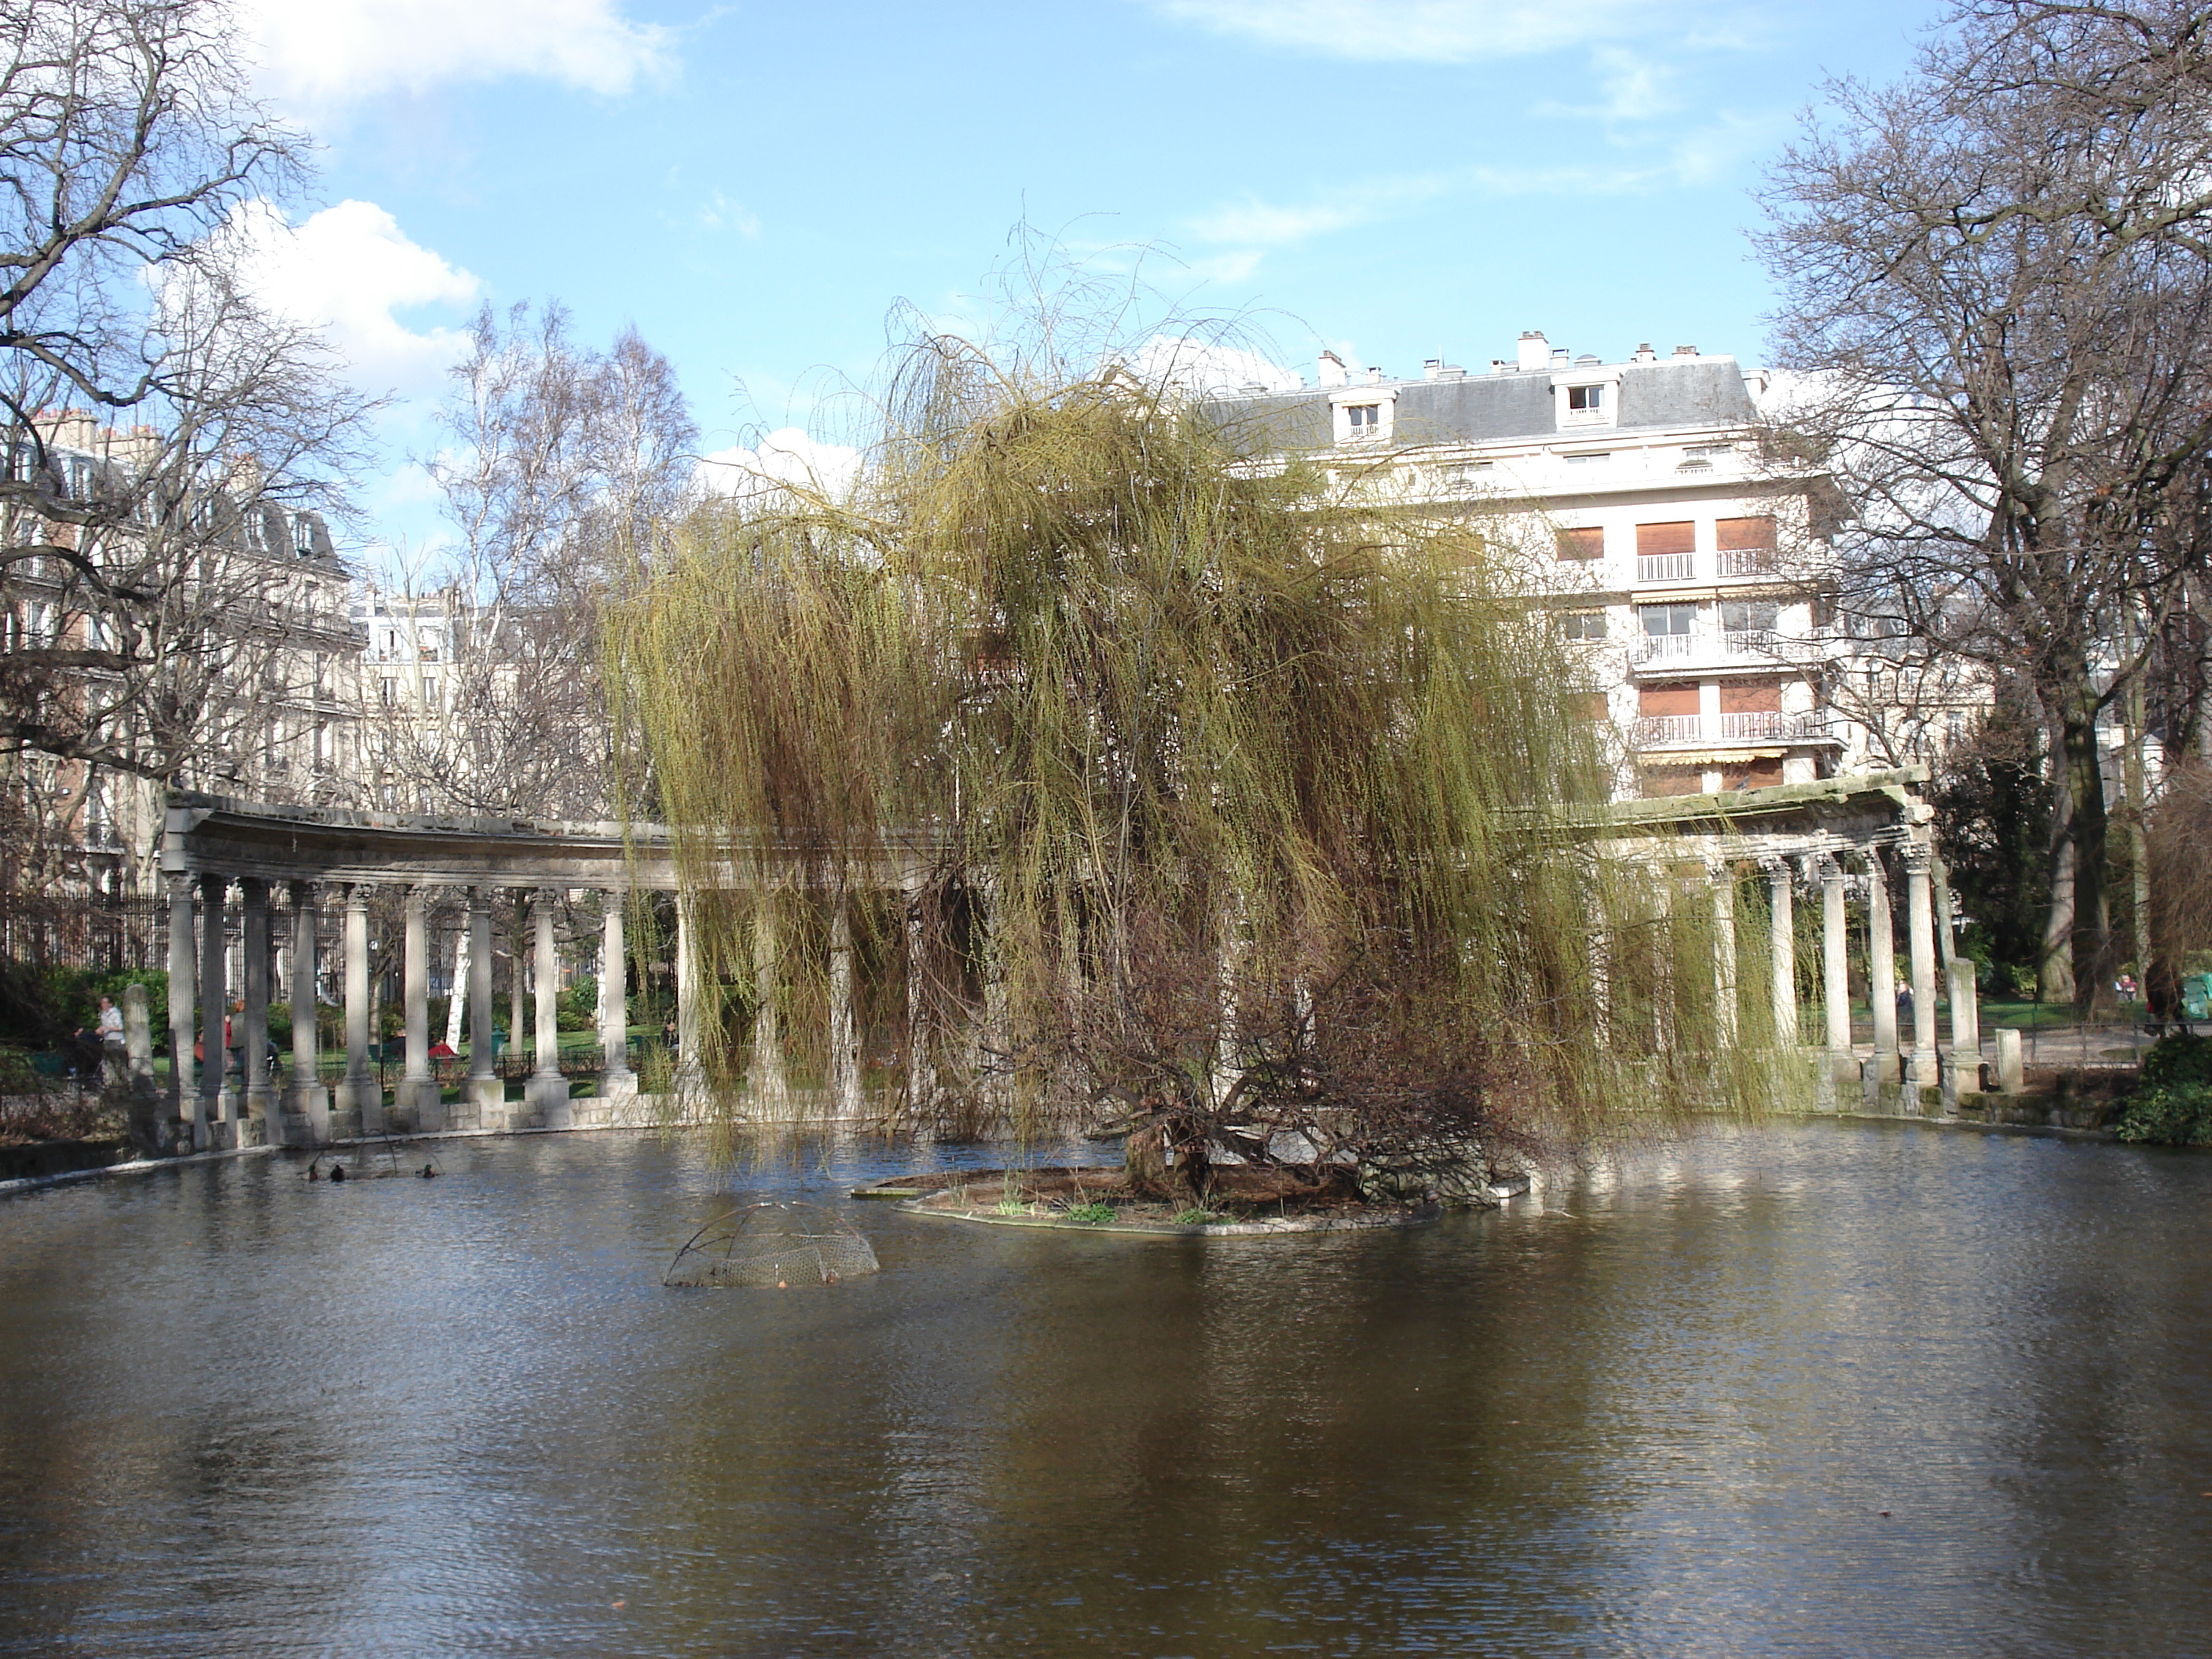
(1809, 1389)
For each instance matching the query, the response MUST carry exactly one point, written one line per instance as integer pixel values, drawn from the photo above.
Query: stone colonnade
(233, 857)
(1908, 1056)
(228, 1098)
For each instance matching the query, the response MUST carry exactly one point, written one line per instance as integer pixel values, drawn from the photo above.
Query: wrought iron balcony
(1683, 731)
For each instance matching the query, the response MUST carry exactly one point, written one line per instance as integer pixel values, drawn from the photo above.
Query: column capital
(1777, 870)
(1919, 857)
(357, 894)
(543, 898)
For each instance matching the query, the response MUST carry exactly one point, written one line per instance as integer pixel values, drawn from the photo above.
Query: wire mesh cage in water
(370, 1160)
(773, 1247)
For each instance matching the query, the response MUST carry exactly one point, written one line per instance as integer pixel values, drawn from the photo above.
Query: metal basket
(772, 1247)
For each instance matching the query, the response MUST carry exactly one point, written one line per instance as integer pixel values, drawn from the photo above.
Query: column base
(363, 1097)
(488, 1095)
(546, 1095)
(418, 1106)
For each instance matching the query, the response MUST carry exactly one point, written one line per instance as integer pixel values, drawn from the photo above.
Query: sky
(754, 185)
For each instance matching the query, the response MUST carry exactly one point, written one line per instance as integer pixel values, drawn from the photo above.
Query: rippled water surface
(1817, 1389)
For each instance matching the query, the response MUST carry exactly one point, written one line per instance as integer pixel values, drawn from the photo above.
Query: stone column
(184, 1091)
(619, 1082)
(844, 1031)
(1920, 927)
(1782, 970)
(920, 1074)
(2011, 1077)
(261, 1100)
(1965, 1028)
(359, 1093)
(1835, 958)
(485, 1088)
(1881, 967)
(418, 1097)
(546, 1094)
(306, 1094)
(215, 1107)
(771, 1088)
(1722, 874)
(688, 1077)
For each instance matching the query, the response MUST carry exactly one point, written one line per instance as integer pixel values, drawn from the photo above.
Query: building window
(1585, 400)
(1668, 630)
(1582, 543)
(1666, 552)
(1589, 458)
(1748, 625)
(1582, 624)
(1365, 420)
(1746, 546)
(390, 691)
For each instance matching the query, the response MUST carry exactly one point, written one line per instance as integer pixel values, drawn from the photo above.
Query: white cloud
(1430, 31)
(719, 212)
(788, 455)
(322, 55)
(347, 270)
(1636, 88)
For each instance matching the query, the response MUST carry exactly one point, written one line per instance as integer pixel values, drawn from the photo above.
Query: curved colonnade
(227, 863)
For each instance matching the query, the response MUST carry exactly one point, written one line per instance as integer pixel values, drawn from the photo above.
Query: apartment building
(182, 621)
(1637, 504)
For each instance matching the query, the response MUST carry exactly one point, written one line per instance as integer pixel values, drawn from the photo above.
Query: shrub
(577, 1008)
(2172, 1105)
(1092, 1215)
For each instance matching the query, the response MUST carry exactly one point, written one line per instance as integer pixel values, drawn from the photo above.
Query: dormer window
(1585, 400)
(1362, 416)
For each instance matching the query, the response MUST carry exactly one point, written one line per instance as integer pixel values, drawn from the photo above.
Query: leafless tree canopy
(561, 462)
(165, 574)
(1997, 295)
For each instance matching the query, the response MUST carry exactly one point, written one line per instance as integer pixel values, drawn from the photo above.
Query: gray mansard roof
(1490, 408)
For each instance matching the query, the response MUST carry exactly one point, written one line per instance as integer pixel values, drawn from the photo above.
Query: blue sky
(753, 185)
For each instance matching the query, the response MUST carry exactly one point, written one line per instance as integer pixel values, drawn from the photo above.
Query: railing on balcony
(1654, 730)
(1760, 643)
(1745, 561)
(1764, 726)
(1666, 567)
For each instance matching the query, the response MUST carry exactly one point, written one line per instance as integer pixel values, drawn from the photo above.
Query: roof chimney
(1332, 370)
(1431, 368)
(1374, 376)
(1686, 351)
(1536, 351)
(1644, 354)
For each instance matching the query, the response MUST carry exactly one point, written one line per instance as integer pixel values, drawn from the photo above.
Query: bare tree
(167, 587)
(561, 461)
(1997, 288)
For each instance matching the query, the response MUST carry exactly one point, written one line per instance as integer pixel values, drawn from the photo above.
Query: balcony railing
(1674, 731)
(1745, 561)
(1662, 647)
(1666, 567)
(1709, 645)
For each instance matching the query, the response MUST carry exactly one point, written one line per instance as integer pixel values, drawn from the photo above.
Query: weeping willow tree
(1201, 799)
